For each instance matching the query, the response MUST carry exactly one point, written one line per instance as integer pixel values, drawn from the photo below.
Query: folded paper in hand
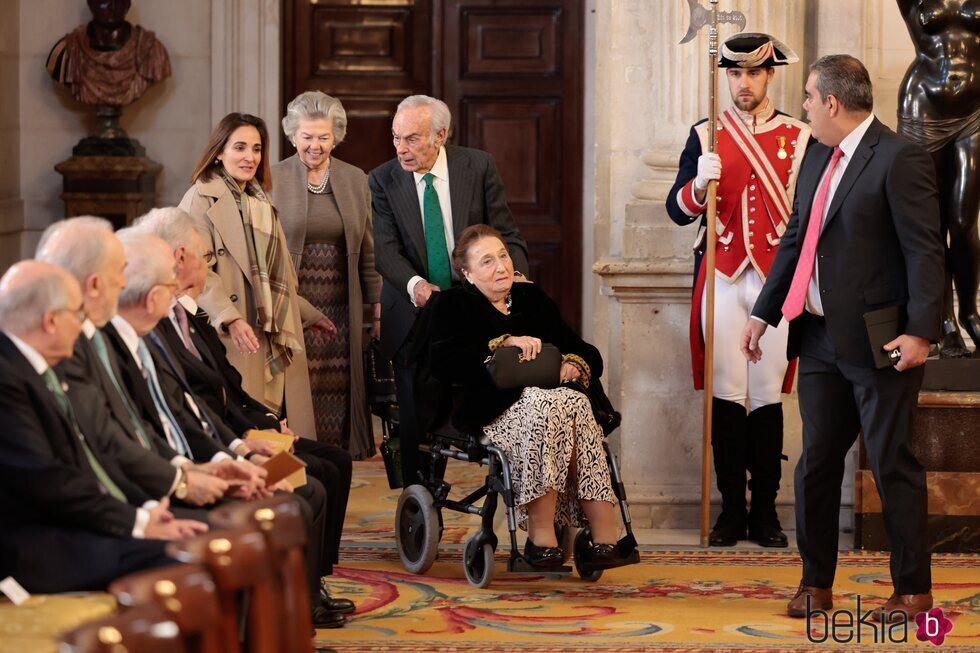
(279, 441)
(285, 466)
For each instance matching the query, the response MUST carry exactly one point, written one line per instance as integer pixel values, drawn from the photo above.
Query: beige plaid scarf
(271, 274)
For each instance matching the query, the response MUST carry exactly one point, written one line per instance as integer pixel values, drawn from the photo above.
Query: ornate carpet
(676, 600)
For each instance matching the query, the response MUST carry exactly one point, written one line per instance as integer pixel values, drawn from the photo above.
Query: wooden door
(511, 73)
(367, 56)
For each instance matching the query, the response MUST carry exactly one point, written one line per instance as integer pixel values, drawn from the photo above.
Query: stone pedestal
(118, 188)
(945, 436)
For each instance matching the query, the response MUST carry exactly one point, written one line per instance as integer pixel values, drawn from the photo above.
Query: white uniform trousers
(752, 385)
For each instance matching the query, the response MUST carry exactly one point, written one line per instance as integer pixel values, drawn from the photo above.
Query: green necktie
(98, 342)
(54, 386)
(435, 237)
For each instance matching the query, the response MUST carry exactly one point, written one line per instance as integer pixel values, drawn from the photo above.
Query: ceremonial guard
(758, 156)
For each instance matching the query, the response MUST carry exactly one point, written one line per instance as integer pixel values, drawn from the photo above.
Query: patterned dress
(323, 282)
(540, 433)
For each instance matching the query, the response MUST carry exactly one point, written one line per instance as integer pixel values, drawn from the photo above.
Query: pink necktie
(796, 297)
(185, 330)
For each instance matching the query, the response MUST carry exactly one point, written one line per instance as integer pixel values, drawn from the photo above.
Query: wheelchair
(419, 524)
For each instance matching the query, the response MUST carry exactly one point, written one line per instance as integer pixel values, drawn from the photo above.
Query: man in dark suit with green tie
(421, 200)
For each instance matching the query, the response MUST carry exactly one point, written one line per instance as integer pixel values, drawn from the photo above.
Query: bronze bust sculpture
(939, 108)
(108, 63)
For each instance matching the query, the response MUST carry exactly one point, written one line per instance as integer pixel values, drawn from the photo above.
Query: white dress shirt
(440, 182)
(41, 366)
(814, 305)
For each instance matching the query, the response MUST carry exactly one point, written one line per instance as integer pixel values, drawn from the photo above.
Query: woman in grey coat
(325, 209)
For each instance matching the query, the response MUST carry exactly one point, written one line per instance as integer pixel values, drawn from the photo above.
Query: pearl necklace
(320, 188)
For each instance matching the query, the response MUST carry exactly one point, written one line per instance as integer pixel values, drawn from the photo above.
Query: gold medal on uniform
(782, 147)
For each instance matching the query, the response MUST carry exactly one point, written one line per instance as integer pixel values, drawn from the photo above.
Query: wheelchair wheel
(478, 562)
(416, 529)
(566, 540)
(583, 542)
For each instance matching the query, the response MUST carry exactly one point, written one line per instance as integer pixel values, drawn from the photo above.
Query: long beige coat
(228, 296)
(350, 190)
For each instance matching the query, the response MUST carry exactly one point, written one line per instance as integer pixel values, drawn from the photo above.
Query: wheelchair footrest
(520, 565)
(631, 559)
(626, 552)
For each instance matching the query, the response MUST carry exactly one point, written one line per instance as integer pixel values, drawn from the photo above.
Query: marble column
(245, 62)
(650, 90)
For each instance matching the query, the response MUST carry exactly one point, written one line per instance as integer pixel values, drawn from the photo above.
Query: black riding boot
(728, 447)
(765, 445)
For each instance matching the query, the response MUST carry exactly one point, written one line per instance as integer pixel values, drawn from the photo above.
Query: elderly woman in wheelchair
(559, 472)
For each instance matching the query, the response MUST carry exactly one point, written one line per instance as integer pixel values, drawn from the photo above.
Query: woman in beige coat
(325, 208)
(251, 295)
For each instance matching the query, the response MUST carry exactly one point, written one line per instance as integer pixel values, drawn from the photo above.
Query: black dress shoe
(324, 618)
(725, 535)
(542, 556)
(769, 535)
(604, 554)
(343, 606)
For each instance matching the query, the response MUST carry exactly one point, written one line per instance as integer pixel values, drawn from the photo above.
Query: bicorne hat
(755, 50)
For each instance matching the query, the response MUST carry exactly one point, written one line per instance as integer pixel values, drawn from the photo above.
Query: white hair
(439, 115)
(173, 225)
(315, 105)
(28, 290)
(79, 245)
(149, 262)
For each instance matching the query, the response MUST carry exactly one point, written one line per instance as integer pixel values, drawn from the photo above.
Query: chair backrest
(185, 592)
(239, 562)
(281, 522)
(146, 629)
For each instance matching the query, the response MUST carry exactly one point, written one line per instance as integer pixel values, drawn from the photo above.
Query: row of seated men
(123, 420)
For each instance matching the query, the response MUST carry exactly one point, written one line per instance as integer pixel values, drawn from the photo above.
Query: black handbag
(509, 370)
(379, 376)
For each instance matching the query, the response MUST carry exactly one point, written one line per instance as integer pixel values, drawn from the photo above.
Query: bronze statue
(108, 62)
(939, 108)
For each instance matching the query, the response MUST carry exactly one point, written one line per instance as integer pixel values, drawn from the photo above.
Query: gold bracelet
(497, 342)
(579, 363)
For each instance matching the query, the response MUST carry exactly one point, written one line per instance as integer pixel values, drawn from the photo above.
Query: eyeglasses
(208, 257)
(170, 285)
(77, 312)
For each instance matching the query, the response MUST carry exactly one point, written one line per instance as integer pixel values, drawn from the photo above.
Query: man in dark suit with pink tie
(864, 236)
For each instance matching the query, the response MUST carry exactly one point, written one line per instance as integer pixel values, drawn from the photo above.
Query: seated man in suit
(87, 248)
(66, 524)
(202, 358)
(421, 201)
(165, 397)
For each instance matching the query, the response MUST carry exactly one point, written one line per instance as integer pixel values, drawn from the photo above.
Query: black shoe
(725, 535)
(769, 535)
(604, 554)
(343, 606)
(538, 556)
(324, 618)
